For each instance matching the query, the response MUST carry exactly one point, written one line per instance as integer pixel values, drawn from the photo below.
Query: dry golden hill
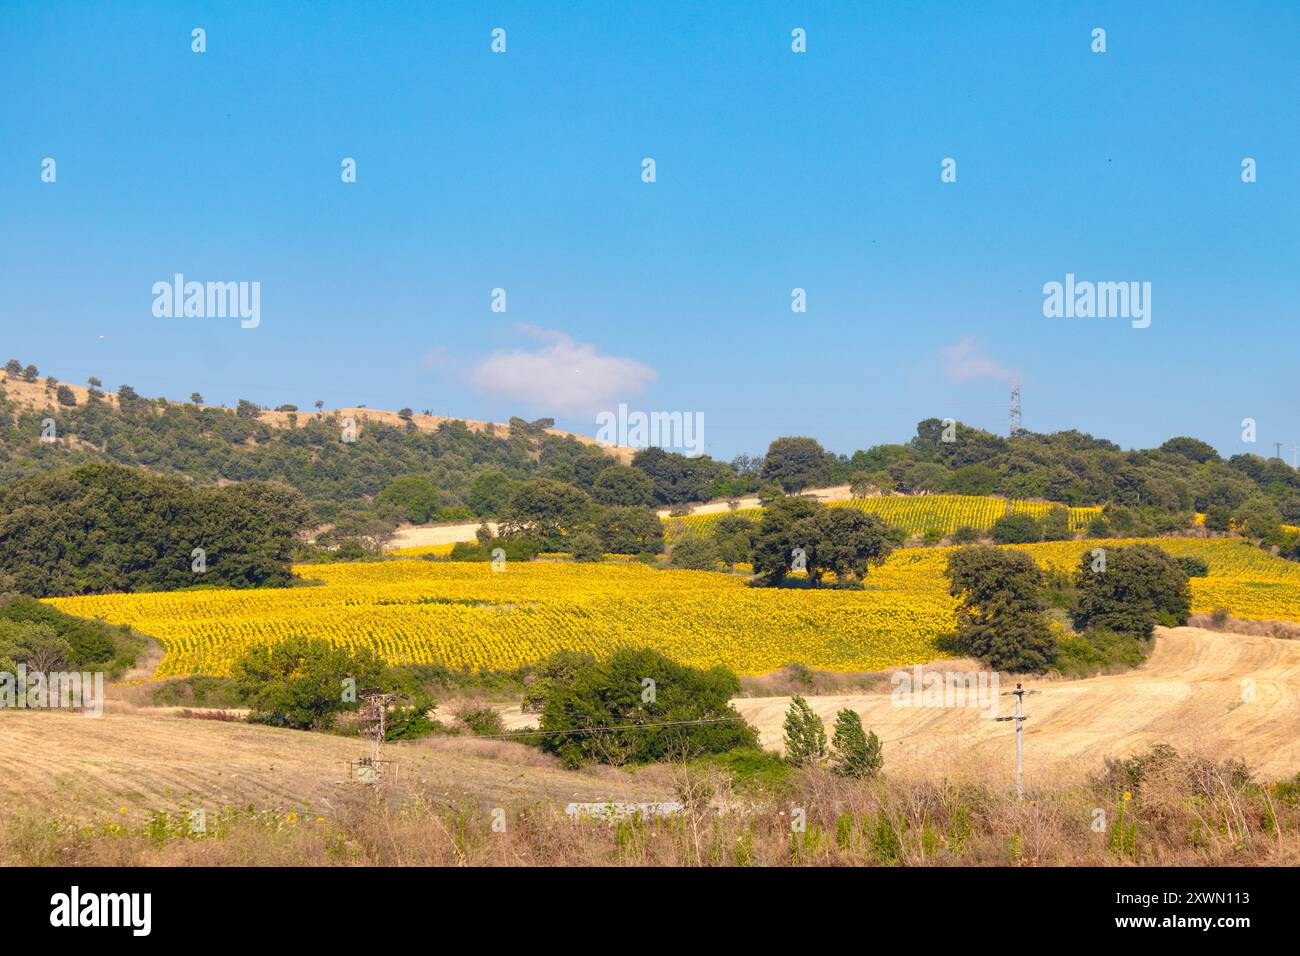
(36, 395)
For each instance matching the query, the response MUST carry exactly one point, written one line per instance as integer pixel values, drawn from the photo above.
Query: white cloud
(965, 363)
(561, 375)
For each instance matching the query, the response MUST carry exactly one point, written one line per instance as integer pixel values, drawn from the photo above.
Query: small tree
(857, 754)
(1016, 529)
(66, 396)
(694, 553)
(94, 382)
(805, 735)
(196, 398)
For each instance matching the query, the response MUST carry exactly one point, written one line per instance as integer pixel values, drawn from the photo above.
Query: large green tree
(1130, 589)
(796, 463)
(1001, 618)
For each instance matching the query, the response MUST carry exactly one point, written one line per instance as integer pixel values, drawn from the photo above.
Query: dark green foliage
(304, 683)
(694, 553)
(628, 530)
(622, 485)
(409, 719)
(586, 547)
(844, 541)
(796, 463)
(774, 542)
(805, 734)
(91, 645)
(1016, 529)
(1056, 524)
(677, 478)
(1193, 565)
(413, 497)
(1001, 620)
(734, 536)
(686, 712)
(857, 754)
(1141, 586)
(101, 528)
(1099, 650)
(545, 509)
(965, 535)
(488, 493)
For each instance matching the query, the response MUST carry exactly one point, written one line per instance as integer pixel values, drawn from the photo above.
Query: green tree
(1130, 589)
(734, 536)
(304, 683)
(625, 486)
(1056, 524)
(488, 493)
(1001, 619)
(639, 706)
(414, 497)
(545, 509)
(631, 531)
(694, 553)
(857, 754)
(844, 541)
(775, 540)
(796, 463)
(1017, 528)
(805, 735)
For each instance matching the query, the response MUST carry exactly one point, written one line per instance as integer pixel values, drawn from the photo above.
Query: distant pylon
(1017, 426)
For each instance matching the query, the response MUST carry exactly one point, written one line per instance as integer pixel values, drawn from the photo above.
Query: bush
(1193, 566)
(694, 553)
(856, 754)
(586, 547)
(1083, 655)
(805, 735)
(638, 707)
(480, 719)
(1016, 529)
(965, 535)
(303, 683)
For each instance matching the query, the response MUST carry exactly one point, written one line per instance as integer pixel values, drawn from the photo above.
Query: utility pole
(1277, 445)
(1020, 717)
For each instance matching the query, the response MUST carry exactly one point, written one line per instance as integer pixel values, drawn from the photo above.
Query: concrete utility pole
(1277, 445)
(1020, 718)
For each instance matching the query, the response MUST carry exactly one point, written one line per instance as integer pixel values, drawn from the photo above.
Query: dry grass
(1183, 811)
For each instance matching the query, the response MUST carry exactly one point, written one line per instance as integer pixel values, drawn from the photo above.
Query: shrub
(1193, 565)
(639, 706)
(805, 735)
(300, 683)
(480, 719)
(856, 754)
(695, 553)
(1016, 529)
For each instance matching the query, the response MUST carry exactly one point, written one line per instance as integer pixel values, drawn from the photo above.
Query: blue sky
(775, 170)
